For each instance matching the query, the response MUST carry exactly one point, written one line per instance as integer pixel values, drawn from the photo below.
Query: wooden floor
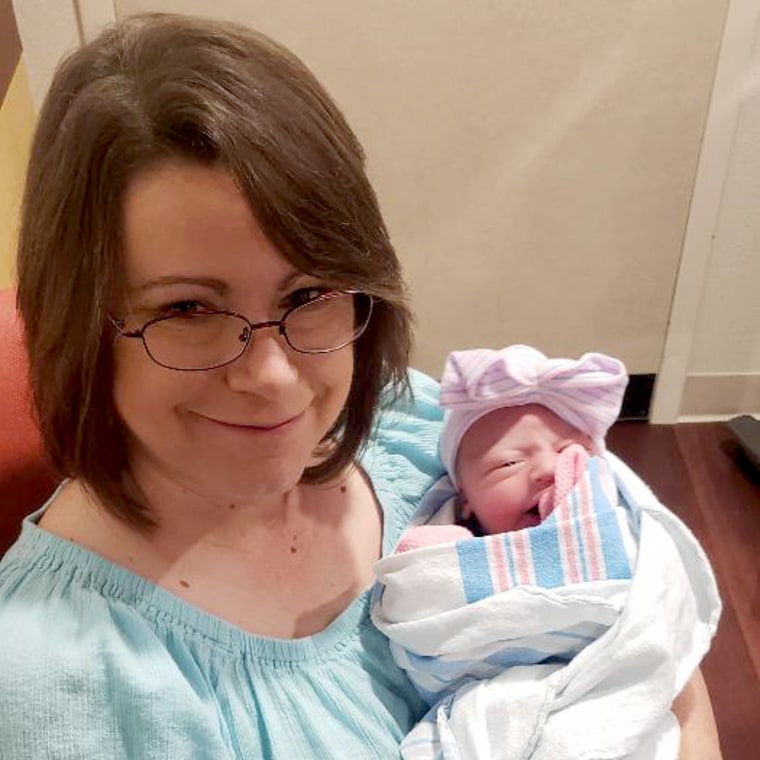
(692, 469)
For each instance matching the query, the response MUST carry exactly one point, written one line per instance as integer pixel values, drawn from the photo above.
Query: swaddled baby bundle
(569, 639)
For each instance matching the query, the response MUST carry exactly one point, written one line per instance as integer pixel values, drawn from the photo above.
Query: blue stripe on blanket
(544, 543)
(443, 670)
(586, 638)
(475, 571)
(435, 677)
(615, 555)
(528, 656)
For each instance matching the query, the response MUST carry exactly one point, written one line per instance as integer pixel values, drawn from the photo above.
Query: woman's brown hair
(157, 88)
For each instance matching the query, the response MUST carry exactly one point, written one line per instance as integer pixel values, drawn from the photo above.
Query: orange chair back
(26, 479)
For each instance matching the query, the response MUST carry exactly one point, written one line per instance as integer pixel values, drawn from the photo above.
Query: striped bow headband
(586, 393)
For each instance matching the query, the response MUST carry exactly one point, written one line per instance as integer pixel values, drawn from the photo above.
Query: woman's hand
(699, 734)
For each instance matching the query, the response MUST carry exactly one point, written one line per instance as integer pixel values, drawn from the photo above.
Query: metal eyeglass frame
(120, 324)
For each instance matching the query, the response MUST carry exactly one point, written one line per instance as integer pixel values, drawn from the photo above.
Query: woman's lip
(255, 428)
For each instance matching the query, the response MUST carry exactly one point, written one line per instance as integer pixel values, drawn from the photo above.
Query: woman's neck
(188, 520)
(188, 515)
(283, 575)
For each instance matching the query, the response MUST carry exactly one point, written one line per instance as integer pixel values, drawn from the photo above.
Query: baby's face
(506, 462)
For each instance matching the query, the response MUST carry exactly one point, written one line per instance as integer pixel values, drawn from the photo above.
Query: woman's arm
(699, 734)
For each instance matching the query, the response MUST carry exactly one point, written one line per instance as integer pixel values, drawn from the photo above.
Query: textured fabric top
(98, 662)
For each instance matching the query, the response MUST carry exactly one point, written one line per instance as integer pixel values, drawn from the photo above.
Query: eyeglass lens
(202, 341)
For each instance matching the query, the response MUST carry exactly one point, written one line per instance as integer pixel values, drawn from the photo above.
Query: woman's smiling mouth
(272, 427)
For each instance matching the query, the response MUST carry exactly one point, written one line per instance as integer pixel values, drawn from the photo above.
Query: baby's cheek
(504, 497)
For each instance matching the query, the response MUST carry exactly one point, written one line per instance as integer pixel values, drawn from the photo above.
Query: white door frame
(51, 28)
(731, 72)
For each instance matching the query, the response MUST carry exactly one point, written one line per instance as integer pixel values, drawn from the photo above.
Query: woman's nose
(265, 367)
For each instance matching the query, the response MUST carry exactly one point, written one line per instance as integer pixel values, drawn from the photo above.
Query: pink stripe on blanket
(570, 468)
(523, 557)
(569, 551)
(498, 563)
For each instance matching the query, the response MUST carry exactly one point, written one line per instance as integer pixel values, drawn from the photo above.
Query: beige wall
(534, 159)
(16, 125)
(48, 29)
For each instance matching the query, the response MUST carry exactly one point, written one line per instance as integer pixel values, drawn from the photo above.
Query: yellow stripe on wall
(16, 125)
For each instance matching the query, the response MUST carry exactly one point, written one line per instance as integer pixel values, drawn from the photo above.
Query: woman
(218, 338)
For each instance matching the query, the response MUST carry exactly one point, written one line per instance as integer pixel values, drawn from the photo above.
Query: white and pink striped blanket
(566, 640)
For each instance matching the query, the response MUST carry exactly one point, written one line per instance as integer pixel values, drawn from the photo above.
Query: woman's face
(248, 428)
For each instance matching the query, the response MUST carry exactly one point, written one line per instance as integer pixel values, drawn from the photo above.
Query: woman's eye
(304, 295)
(179, 308)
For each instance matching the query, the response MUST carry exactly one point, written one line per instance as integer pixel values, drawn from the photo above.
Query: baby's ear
(463, 508)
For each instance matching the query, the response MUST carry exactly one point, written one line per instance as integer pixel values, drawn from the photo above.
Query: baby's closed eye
(510, 463)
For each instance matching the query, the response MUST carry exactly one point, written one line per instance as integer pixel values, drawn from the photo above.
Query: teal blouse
(97, 662)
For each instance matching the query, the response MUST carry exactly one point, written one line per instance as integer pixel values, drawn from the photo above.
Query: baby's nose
(544, 465)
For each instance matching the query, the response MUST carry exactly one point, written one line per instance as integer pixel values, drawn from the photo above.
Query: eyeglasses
(203, 340)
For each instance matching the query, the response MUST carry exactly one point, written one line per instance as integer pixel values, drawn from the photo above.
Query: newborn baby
(543, 604)
(502, 451)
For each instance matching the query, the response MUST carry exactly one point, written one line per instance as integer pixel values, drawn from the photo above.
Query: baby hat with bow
(587, 393)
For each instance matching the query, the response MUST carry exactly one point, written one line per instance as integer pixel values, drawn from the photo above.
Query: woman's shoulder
(63, 659)
(409, 425)
(402, 456)
(58, 671)
(74, 644)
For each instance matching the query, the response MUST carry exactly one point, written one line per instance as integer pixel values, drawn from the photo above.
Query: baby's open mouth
(531, 517)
